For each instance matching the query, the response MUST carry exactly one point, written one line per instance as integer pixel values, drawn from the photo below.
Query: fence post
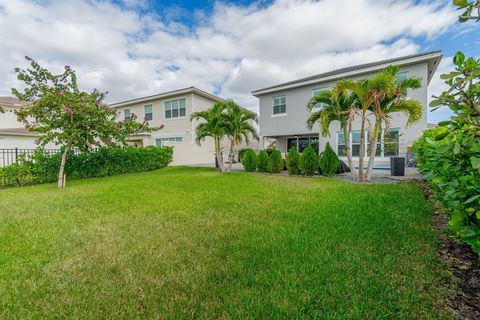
(16, 154)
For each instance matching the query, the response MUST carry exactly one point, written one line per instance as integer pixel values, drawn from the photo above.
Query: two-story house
(172, 110)
(283, 112)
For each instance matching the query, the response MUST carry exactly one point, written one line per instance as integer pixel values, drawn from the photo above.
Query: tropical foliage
(275, 162)
(449, 156)
(471, 9)
(340, 108)
(225, 119)
(309, 161)
(292, 161)
(67, 116)
(329, 162)
(104, 161)
(376, 98)
(249, 160)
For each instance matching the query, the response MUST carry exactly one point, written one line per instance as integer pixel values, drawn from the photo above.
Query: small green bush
(262, 161)
(293, 161)
(329, 161)
(309, 161)
(241, 153)
(43, 168)
(275, 162)
(249, 160)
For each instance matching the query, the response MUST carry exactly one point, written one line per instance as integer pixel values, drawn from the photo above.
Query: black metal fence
(10, 156)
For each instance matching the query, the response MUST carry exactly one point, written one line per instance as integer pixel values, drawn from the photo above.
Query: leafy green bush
(241, 153)
(275, 162)
(262, 161)
(43, 168)
(329, 161)
(309, 161)
(249, 160)
(449, 156)
(293, 161)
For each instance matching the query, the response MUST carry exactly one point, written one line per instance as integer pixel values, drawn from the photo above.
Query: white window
(402, 75)
(279, 105)
(159, 142)
(127, 114)
(387, 145)
(148, 112)
(317, 91)
(175, 108)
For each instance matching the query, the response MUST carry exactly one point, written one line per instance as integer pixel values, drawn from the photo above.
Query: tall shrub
(249, 160)
(293, 161)
(449, 156)
(329, 161)
(262, 161)
(275, 162)
(309, 161)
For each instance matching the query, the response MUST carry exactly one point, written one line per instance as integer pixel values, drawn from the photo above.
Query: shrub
(242, 152)
(106, 161)
(329, 161)
(275, 162)
(262, 161)
(309, 161)
(293, 161)
(249, 160)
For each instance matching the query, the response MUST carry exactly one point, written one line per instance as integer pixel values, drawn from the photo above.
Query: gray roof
(9, 101)
(349, 69)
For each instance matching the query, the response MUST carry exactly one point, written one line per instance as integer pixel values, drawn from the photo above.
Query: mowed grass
(194, 243)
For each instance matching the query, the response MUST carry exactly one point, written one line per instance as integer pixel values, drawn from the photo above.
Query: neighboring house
(172, 110)
(13, 133)
(283, 112)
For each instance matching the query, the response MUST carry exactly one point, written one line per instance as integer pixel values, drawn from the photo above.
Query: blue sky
(135, 48)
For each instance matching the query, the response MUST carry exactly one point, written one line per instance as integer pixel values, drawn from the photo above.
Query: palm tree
(334, 109)
(369, 93)
(213, 125)
(239, 127)
(393, 101)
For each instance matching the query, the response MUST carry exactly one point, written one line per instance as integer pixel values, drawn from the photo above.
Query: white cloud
(230, 51)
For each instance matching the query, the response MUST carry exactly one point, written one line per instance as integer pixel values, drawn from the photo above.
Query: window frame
(279, 105)
(159, 141)
(125, 118)
(174, 107)
(146, 118)
(380, 144)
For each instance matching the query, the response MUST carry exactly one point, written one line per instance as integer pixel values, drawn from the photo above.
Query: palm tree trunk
(373, 150)
(219, 155)
(346, 134)
(361, 176)
(231, 155)
(61, 171)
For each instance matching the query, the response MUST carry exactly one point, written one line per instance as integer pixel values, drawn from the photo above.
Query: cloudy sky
(135, 48)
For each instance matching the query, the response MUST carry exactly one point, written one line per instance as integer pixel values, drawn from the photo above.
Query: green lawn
(193, 243)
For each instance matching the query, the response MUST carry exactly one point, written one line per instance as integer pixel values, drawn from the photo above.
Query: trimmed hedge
(275, 162)
(293, 161)
(329, 161)
(309, 161)
(262, 161)
(249, 160)
(105, 161)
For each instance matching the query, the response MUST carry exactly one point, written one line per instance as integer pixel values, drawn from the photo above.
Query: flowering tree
(67, 116)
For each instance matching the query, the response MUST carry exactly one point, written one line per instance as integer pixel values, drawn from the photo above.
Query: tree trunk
(61, 174)
(231, 156)
(373, 150)
(346, 135)
(218, 154)
(361, 176)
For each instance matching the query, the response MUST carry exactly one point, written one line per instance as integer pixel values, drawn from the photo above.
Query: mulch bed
(462, 263)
